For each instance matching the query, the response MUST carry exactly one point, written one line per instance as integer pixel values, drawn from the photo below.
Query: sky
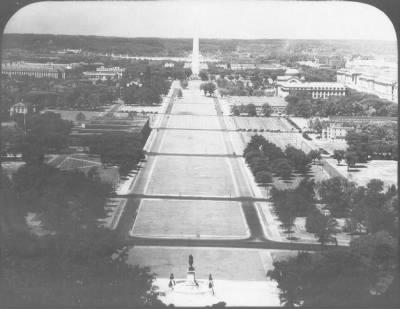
(250, 19)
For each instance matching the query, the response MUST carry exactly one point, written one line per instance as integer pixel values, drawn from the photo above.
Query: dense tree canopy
(77, 263)
(353, 104)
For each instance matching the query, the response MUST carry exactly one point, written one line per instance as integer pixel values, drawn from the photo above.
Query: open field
(223, 264)
(264, 123)
(193, 122)
(193, 108)
(197, 176)
(193, 142)
(190, 219)
(301, 122)
(386, 170)
(331, 145)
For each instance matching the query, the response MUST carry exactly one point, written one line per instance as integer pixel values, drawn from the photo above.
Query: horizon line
(190, 38)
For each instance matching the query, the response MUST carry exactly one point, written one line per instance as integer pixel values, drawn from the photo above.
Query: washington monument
(195, 57)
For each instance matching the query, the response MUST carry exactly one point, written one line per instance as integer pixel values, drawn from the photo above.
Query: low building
(335, 131)
(22, 108)
(103, 73)
(139, 124)
(338, 126)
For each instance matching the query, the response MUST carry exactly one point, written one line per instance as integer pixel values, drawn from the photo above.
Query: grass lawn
(193, 142)
(194, 108)
(362, 173)
(194, 219)
(193, 122)
(197, 176)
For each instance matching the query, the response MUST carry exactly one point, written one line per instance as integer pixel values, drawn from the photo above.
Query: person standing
(211, 284)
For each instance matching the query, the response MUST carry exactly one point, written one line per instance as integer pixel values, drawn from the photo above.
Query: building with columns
(317, 90)
(36, 70)
(383, 88)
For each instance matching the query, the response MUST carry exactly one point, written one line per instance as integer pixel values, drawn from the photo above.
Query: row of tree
(265, 159)
(366, 209)
(353, 104)
(362, 276)
(251, 110)
(373, 141)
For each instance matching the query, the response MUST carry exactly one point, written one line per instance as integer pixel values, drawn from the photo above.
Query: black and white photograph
(190, 153)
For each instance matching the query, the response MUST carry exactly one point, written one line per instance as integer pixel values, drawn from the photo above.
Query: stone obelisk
(195, 57)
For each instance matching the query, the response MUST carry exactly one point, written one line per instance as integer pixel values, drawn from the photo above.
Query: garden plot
(192, 142)
(193, 109)
(190, 219)
(193, 122)
(196, 176)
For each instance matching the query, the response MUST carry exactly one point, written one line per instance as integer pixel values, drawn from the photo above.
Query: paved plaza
(190, 219)
(193, 122)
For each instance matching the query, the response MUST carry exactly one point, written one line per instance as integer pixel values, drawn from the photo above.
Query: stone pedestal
(191, 277)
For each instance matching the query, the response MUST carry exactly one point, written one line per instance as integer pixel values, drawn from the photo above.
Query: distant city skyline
(220, 20)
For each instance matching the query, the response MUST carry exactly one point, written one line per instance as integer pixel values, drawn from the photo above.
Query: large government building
(383, 88)
(36, 70)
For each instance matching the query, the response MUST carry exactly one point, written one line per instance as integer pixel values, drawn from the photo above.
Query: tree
(314, 155)
(203, 76)
(289, 275)
(180, 95)
(184, 83)
(12, 140)
(263, 177)
(351, 159)
(251, 110)
(324, 228)
(267, 110)
(282, 167)
(80, 117)
(70, 267)
(338, 155)
(48, 131)
(336, 193)
(208, 88)
(298, 158)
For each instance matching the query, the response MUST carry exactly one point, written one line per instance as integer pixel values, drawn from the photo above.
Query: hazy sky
(224, 19)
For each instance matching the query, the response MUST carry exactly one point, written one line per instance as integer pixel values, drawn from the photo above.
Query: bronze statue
(191, 261)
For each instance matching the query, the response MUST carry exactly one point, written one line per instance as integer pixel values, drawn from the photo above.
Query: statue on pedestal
(191, 261)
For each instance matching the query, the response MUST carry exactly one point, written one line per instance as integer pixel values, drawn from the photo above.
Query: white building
(335, 131)
(317, 90)
(36, 70)
(382, 87)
